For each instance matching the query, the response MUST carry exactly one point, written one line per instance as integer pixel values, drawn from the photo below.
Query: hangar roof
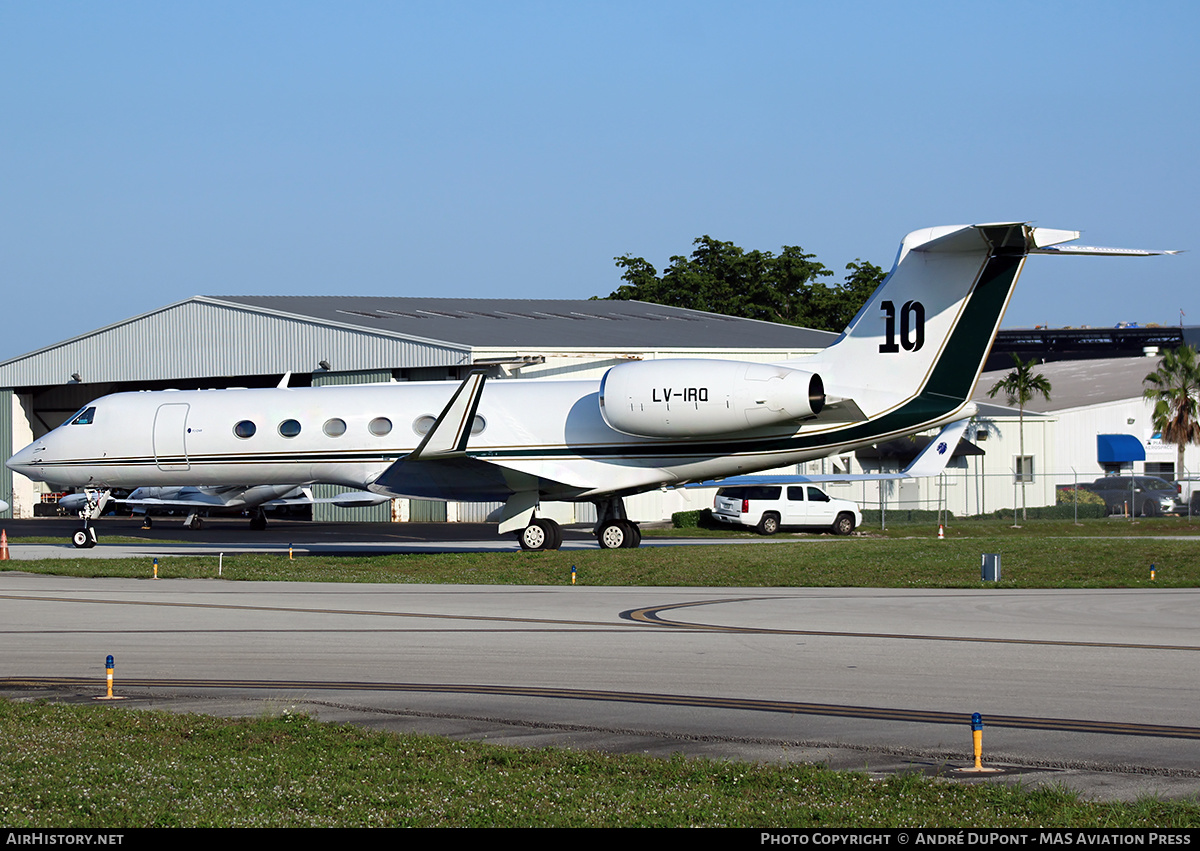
(210, 336)
(1079, 383)
(552, 323)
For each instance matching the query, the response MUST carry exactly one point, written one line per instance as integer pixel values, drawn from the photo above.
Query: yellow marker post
(572, 574)
(108, 664)
(1151, 573)
(977, 741)
(155, 576)
(290, 556)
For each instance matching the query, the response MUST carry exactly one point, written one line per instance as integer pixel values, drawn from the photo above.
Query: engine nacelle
(690, 398)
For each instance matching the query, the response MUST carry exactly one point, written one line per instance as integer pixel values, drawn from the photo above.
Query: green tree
(720, 277)
(1019, 387)
(1174, 389)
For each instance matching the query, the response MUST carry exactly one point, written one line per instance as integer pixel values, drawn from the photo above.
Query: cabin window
(245, 429)
(380, 426)
(335, 427)
(85, 416)
(423, 425)
(289, 428)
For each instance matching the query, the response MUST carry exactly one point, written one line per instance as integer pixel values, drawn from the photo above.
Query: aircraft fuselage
(551, 431)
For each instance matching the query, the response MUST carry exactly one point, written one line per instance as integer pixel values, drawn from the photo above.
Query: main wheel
(615, 535)
(769, 524)
(541, 534)
(844, 525)
(555, 532)
(533, 537)
(634, 540)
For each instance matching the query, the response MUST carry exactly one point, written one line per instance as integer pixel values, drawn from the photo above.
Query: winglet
(452, 429)
(934, 457)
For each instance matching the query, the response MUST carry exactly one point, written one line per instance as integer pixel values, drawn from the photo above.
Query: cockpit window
(85, 416)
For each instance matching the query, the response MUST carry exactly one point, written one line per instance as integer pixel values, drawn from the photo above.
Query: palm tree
(1174, 389)
(1019, 387)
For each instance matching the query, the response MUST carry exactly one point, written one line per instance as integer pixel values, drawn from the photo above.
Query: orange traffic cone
(941, 532)
(3, 545)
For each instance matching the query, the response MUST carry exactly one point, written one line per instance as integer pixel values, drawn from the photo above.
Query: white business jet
(906, 363)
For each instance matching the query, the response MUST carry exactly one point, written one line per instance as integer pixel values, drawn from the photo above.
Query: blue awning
(1119, 449)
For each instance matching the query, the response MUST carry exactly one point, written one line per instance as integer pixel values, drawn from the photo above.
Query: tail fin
(927, 330)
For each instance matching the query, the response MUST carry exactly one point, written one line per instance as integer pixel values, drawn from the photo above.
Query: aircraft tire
(540, 535)
(556, 530)
(81, 539)
(619, 534)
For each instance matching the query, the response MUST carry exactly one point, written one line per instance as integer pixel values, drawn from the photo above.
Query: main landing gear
(614, 530)
(541, 534)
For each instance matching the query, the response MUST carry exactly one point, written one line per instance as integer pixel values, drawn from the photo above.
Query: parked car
(768, 508)
(1149, 496)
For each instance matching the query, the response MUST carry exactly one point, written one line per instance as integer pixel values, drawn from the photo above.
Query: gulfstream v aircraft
(906, 363)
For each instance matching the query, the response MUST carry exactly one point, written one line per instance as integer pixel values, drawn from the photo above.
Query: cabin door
(170, 431)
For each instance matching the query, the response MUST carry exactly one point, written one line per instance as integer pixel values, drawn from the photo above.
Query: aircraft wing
(930, 462)
(350, 499)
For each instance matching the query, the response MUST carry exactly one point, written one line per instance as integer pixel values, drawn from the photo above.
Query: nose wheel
(84, 538)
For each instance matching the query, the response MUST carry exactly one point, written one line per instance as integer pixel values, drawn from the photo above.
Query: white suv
(769, 507)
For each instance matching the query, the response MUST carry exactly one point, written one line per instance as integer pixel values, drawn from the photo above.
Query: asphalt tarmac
(1093, 690)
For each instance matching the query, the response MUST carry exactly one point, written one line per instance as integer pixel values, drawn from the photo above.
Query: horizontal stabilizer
(1100, 251)
(1049, 241)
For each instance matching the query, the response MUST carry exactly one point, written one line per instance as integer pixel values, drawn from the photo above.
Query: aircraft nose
(25, 462)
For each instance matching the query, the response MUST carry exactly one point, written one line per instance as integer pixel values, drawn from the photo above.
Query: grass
(111, 768)
(1050, 555)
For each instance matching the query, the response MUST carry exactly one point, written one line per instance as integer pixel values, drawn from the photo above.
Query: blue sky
(154, 151)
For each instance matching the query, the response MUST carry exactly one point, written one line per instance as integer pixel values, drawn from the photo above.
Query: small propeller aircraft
(906, 363)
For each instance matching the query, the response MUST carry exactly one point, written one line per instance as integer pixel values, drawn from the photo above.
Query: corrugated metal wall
(195, 338)
(6, 443)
